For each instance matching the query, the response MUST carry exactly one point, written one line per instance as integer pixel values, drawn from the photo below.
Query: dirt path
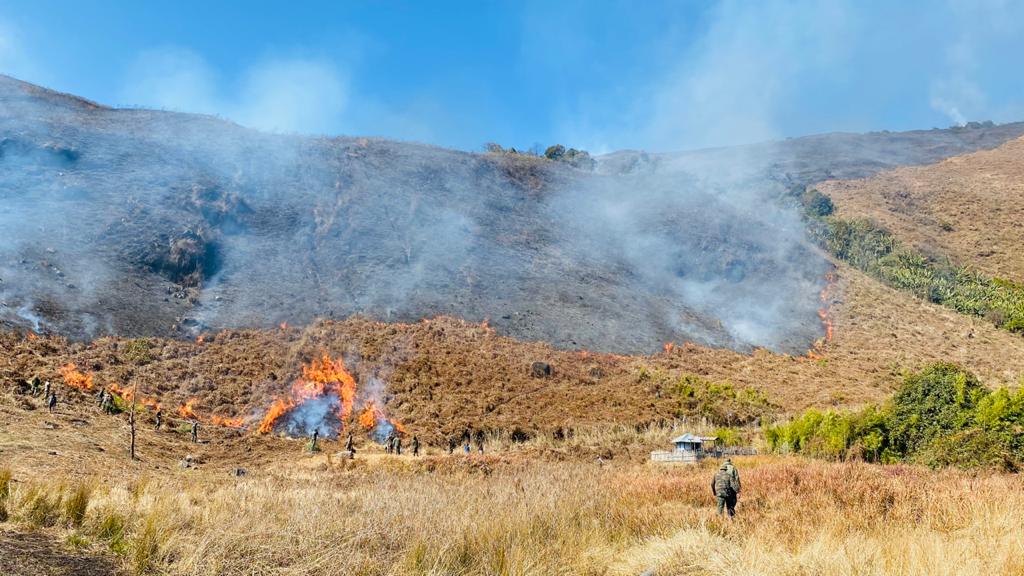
(36, 554)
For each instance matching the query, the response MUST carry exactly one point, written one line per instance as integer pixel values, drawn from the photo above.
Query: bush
(941, 416)
(939, 400)
(875, 251)
(973, 448)
(137, 352)
(555, 152)
(720, 402)
(816, 204)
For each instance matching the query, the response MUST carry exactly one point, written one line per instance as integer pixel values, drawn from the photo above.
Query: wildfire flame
(824, 313)
(201, 338)
(669, 346)
(128, 394)
(32, 335)
(186, 410)
(237, 422)
(325, 378)
(75, 379)
(283, 325)
(368, 418)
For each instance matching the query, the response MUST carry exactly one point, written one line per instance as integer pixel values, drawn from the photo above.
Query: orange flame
(277, 409)
(330, 376)
(368, 418)
(669, 346)
(324, 376)
(201, 338)
(127, 394)
(32, 335)
(237, 422)
(75, 379)
(283, 325)
(825, 315)
(186, 410)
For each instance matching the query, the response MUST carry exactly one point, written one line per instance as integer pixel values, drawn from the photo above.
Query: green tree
(939, 400)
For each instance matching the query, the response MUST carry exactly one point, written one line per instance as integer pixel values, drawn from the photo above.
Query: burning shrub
(324, 399)
(75, 379)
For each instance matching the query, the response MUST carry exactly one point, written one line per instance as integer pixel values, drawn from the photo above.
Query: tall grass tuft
(76, 503)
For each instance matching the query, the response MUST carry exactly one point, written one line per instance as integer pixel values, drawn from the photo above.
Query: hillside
(969, 208)
(149, 223)
(444, 376)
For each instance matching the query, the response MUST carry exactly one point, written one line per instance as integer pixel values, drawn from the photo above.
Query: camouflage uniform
(415, 446)
(51, 402)
(195, 431)
(726, 487)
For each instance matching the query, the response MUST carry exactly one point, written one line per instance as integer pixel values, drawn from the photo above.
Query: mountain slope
(139, 222)
(969, 208)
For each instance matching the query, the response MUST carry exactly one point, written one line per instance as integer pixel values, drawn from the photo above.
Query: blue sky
(599, 75)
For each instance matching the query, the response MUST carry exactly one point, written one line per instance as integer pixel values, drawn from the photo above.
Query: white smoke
(314, 414)
(277, 94)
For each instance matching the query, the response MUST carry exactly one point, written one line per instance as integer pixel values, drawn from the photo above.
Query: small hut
(688, 448)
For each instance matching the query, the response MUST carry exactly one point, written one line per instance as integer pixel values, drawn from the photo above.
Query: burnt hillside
(140, 222)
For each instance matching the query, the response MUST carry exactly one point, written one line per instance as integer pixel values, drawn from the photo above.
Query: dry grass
(968, 207)
(506, 515)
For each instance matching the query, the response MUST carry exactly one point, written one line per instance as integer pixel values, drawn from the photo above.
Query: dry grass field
(506, 514)
(75, 504)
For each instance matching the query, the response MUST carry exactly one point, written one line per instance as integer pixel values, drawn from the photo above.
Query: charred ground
(147, 223)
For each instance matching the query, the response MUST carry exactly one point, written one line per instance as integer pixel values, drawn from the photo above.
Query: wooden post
(131, 418)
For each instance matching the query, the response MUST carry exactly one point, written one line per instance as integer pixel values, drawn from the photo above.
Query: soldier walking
(415, 446)
(312, 444)
(158, 417)
(195, 431)
(726, 488)
(46, 389)
(51, 401)
(389, 444)
(350, 447)
(398, 445)
(451, 446)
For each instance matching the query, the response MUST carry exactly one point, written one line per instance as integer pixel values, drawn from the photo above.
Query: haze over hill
(139, 222)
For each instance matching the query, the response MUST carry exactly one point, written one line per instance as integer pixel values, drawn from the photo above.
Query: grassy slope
(970, 207)
(447, 375)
